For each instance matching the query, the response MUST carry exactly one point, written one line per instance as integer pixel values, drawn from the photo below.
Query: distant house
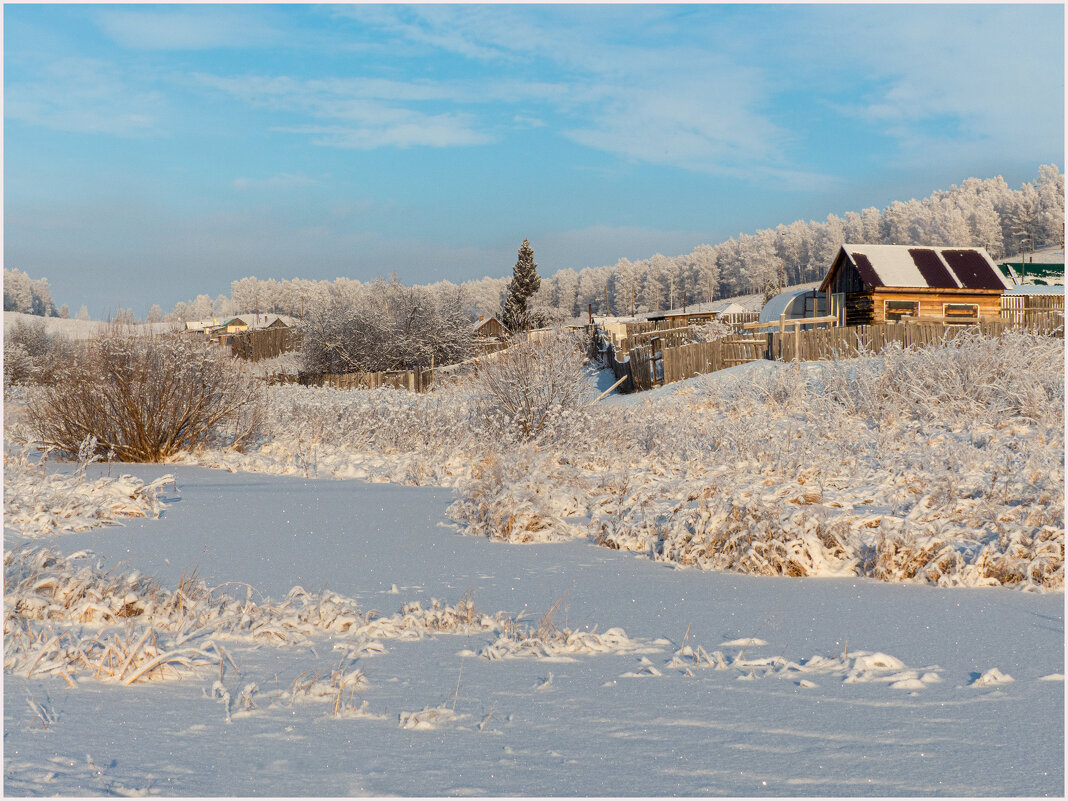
(491, 329)
(872, 284)
(701, 313)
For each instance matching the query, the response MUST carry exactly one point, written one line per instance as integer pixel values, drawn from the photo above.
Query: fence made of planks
(1033, 311)
(648, 367)
(668, 338)
(264, 343)
(708, 357)
(413, 380)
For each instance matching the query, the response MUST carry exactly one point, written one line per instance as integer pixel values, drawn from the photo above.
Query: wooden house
(871, 284)
(491, 329)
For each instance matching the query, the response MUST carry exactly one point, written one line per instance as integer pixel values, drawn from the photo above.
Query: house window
(894, 310)
(960, 313)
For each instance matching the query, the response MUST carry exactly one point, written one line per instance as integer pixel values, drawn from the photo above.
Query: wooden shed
(872, 284)
(491, 329)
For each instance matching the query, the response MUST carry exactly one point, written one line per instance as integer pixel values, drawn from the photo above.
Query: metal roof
(917, 266)
(782, 304)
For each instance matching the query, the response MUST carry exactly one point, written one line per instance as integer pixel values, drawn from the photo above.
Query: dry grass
(38, 502)
(65, 618)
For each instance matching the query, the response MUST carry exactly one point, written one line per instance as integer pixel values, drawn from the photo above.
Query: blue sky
(156, 152)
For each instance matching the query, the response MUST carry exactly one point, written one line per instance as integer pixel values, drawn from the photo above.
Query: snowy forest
(983, 213)
(979, 212)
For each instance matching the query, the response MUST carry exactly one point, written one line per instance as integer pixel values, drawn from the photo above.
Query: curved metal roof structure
(784, 304)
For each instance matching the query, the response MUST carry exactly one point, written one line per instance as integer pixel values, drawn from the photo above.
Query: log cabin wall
(947, 303)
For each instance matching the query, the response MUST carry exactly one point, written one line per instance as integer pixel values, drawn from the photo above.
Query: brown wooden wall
(931, 301)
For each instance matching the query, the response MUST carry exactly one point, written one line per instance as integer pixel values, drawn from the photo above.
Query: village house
(491, 329)
(870, 284)
(701, 313)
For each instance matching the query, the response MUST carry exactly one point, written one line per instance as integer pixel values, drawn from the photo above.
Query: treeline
(30, 296)
(984, 213)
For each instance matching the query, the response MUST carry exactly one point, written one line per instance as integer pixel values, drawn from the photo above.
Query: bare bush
(532, 387)
(146, 398)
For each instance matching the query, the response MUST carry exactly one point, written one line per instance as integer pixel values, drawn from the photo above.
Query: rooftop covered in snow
(920, 267)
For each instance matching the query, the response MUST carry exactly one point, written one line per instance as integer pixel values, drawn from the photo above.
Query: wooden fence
(831, 343)
(264, 343)
(707, 357)
(413, 380)
(1032, 310)
(647, 367)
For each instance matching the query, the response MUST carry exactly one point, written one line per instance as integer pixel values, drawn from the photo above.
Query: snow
(377, 649)
(895, 266)
(857, 687)
(80, 329)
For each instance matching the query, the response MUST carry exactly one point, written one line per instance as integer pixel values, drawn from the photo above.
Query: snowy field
(267, 629)
(79, 329)
(729, 684)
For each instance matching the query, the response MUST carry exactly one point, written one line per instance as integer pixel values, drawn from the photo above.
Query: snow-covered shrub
(31, 353)
(146, 398)
(969, 375)
(722, 533)
(521, 496)
(65, 617)
(534, 387)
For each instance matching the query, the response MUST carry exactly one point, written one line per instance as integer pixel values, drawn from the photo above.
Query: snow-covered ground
(269, 630)
(80, 329)
(727, 684)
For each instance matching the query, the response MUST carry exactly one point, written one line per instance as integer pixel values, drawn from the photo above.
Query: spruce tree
(525, 282)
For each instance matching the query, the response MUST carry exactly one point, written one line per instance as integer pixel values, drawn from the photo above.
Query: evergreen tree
(517, 314)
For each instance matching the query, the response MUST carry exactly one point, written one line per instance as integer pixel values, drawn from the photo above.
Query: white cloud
(356, 113)
(417, 130)
(959, 83)
(85, 96)
(187, 28)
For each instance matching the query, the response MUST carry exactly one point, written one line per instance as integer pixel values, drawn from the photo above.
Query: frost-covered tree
(386, 326)
(565, 291)
(155, 314)
(222, 308)
(1025, 219)
(516, 313)
(1050, 217)
(627, 286)
(23, 294)
(83, 312)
